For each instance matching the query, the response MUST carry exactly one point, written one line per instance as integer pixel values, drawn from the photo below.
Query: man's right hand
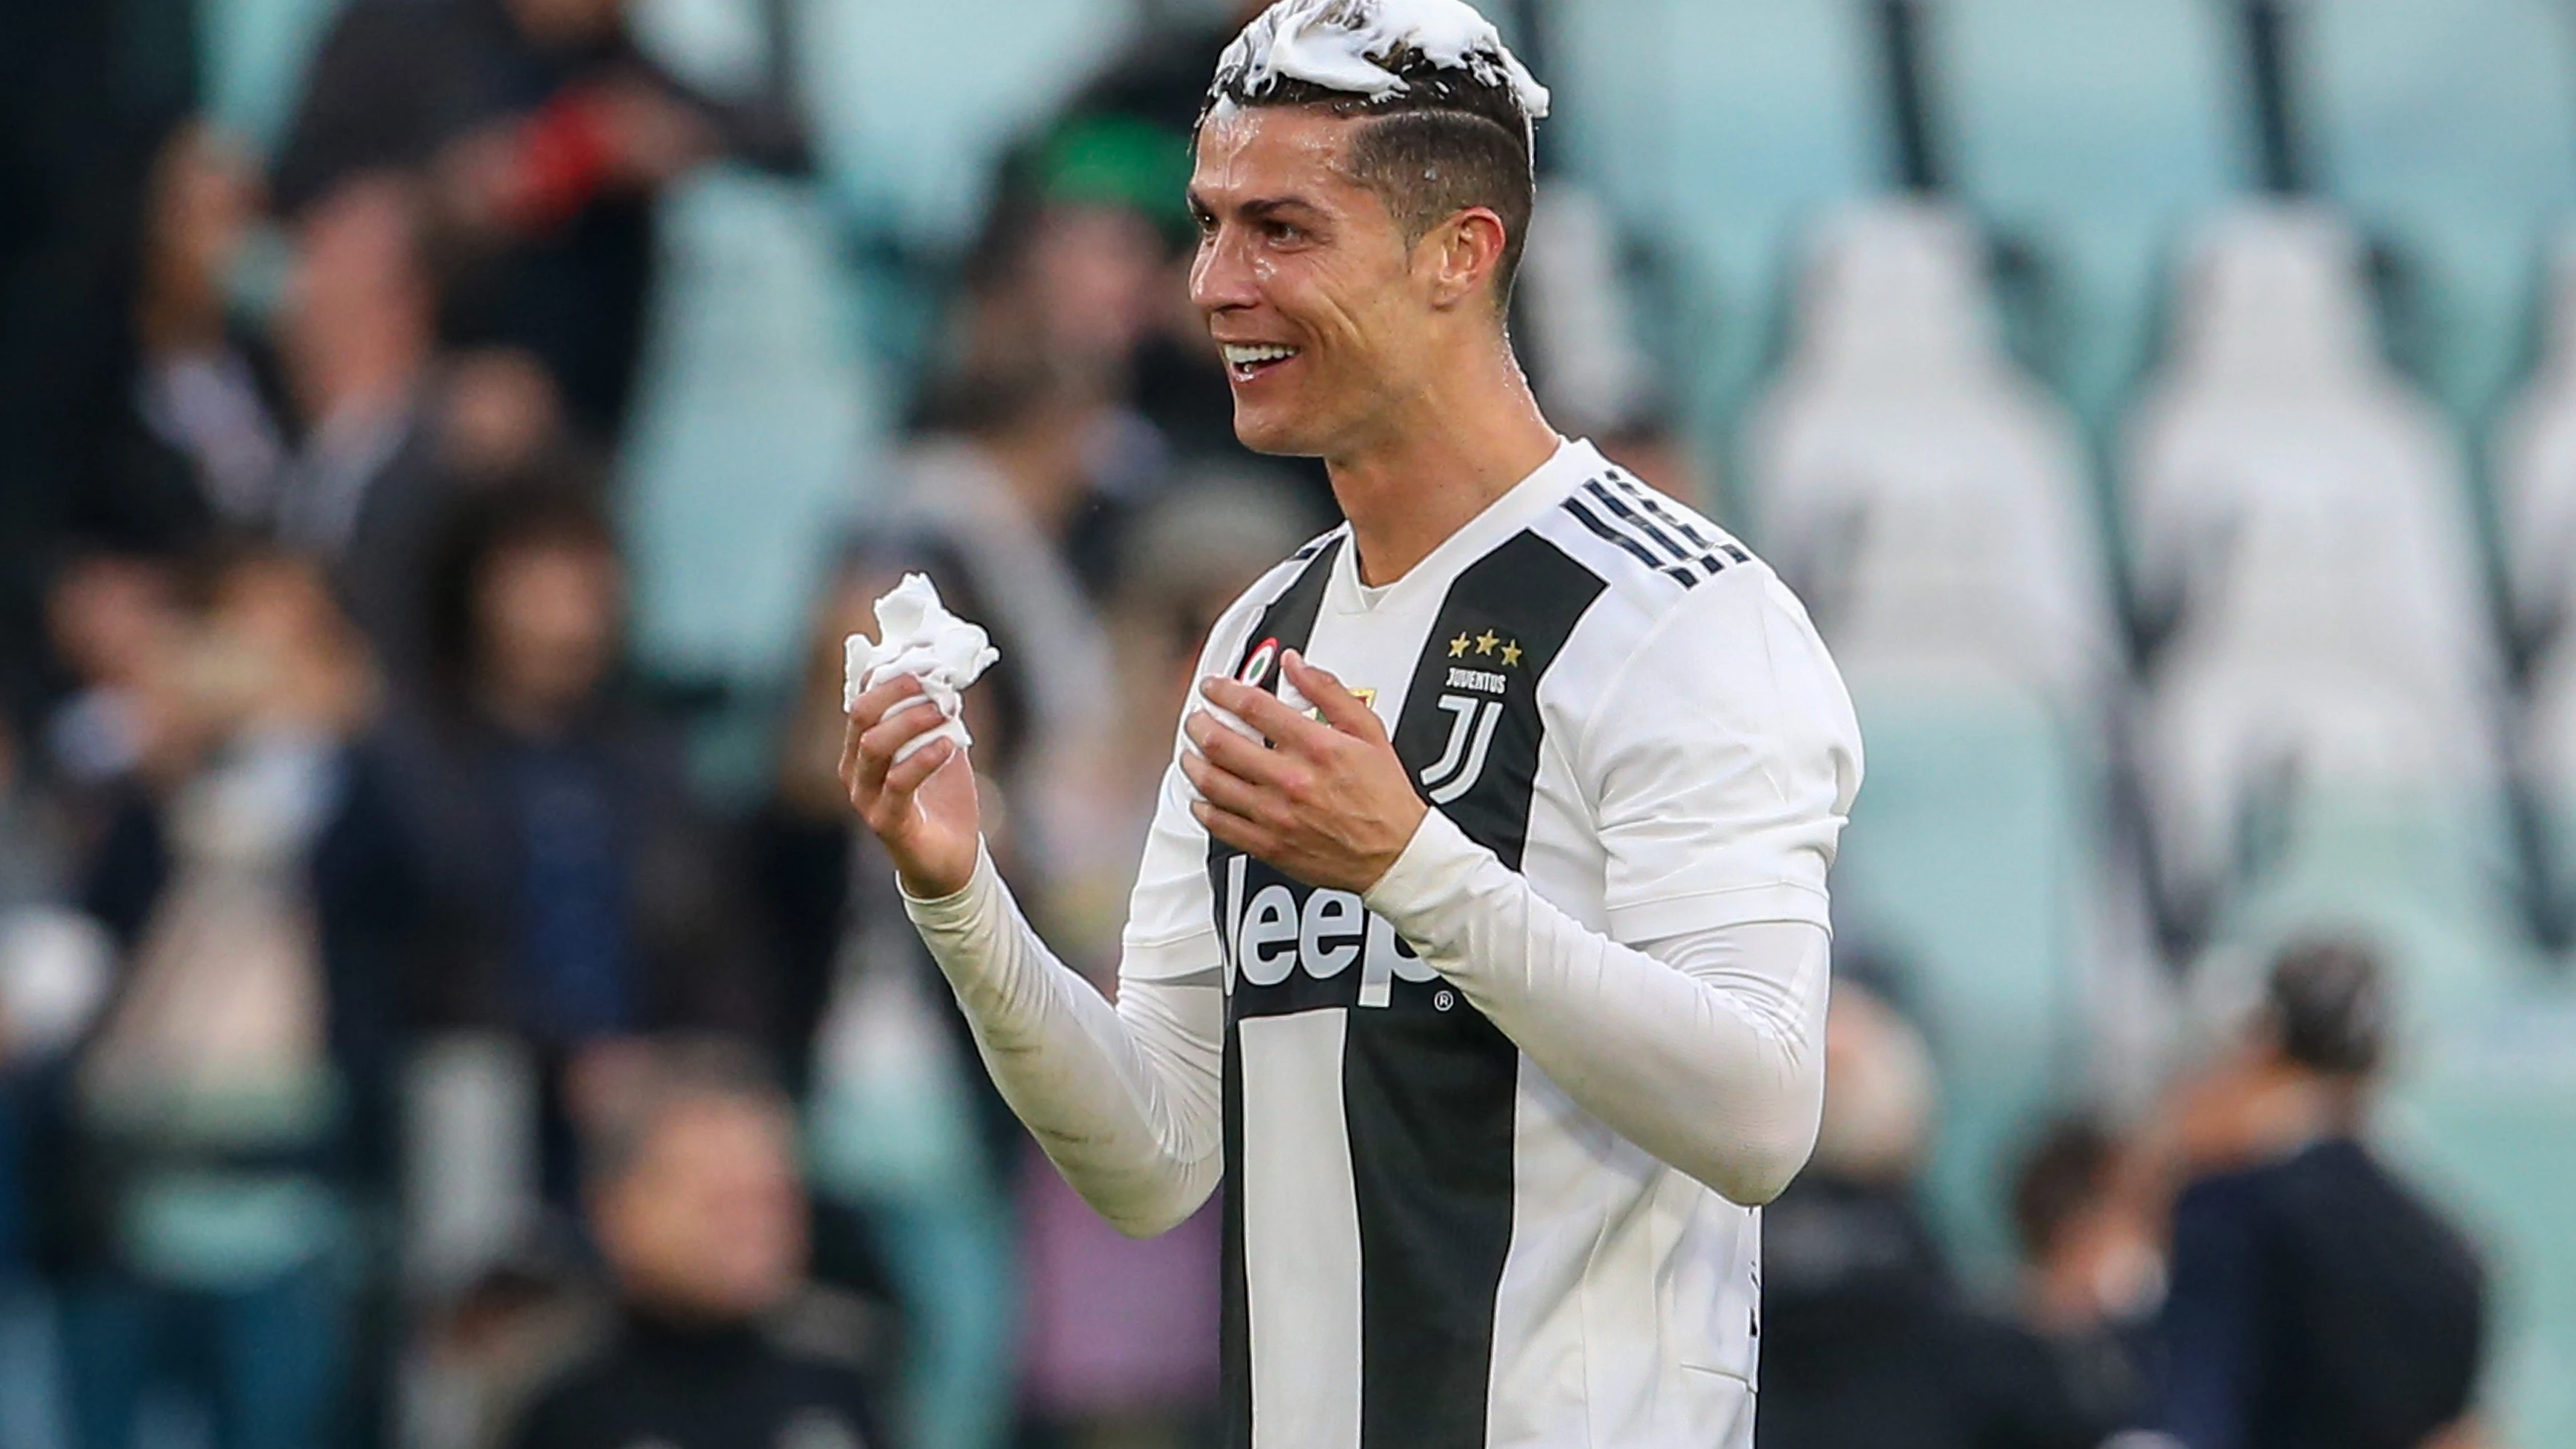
(922, 808)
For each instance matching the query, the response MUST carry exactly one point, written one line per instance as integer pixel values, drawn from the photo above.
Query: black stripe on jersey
(1639, 522)
(1654, 503)
(1316, 547)
(1636, 549)
(1429, 1085)
(1286, 624)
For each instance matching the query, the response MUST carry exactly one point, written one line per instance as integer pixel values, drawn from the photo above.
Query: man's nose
(1221, 277)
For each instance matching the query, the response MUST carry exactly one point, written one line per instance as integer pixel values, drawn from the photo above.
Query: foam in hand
(916, 635)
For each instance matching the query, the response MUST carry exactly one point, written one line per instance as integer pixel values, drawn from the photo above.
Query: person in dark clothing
(540, 867)
(1866, 1342)
(696, 1205)
(2317, 1299)
(545, 134)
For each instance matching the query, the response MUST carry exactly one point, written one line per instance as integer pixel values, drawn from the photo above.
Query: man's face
(1305, 280)
(549, 617)
(710, 1223)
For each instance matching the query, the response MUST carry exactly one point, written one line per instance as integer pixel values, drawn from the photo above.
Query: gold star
(1458, 646)
(1512, 654)
(1486, 641)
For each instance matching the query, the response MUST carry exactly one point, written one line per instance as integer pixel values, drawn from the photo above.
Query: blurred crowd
(400, 1041)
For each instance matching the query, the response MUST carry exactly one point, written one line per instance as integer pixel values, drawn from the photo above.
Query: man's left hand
(1327, 801)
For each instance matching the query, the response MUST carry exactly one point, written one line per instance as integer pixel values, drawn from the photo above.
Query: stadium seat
(2450, 130)
(1967, 863)
(2535, 470)
(2090, 134)
(753, 429)
(255, 55)
(1722, 128)
(1926, 498)
(2304, 518)
(911, 104)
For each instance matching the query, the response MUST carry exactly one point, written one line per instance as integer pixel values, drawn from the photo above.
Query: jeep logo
(1282, 929)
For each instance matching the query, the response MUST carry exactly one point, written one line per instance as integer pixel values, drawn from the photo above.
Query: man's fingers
(874, 705)
(911, 773)
(879, 745)
(1230, 792)
(1341, 708)
(1248, 836)
(1227, 748)
(1260, 709)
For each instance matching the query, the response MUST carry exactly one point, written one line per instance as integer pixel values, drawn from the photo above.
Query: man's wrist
(930, 898)
(1433, 866)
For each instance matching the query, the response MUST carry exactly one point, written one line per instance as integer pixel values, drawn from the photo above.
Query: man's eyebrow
(1259, 208)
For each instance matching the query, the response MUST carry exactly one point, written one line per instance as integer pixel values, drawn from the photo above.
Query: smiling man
(1480, 942)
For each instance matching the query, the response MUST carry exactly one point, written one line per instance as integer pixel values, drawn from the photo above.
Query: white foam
(1338, 44)
(916, 635)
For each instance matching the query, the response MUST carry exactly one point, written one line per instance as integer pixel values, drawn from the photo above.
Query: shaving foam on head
(1341, 44)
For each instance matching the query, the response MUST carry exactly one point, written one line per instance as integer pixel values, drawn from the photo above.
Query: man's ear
(1464, 253)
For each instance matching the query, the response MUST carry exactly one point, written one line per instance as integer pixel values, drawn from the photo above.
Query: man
(1495, 987)
(2317, 1299)
(695, 1202)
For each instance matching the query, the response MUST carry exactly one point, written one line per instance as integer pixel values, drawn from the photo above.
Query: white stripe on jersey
(1301, 1233)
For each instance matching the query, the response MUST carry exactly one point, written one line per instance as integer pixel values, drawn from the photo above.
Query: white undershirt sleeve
(1706, 1049)
(1126, 1100)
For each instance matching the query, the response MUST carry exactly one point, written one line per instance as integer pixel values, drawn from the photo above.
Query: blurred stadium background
(2166, 407)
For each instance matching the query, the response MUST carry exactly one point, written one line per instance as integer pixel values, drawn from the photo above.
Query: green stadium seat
(1723, 128)
(1968, 859)
(2090, 134)
(753, 428)
(2448, 129)
(911, 104)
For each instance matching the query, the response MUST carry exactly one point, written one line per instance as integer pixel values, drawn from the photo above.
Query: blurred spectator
(203, 1144)
(545, 133)
(2317, 1299)
(694, 1200)
(2092, 1269)
(1002, 481)
(531, 858)
(204, 394)
(358, 339)
(1865, 1340)
(907, 1134)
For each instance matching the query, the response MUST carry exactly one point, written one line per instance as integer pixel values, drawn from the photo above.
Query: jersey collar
(1574, 461)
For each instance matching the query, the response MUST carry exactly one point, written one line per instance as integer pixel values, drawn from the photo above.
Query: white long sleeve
(1126, 1100)
(1706, 1049)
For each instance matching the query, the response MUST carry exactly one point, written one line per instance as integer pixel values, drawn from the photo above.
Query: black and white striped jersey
(1429, 1244)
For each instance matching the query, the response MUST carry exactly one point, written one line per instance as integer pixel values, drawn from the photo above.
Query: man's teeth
(1238, 356)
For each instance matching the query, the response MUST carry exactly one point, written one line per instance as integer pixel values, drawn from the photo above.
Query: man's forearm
(1708, 1053)
(1125, 1099)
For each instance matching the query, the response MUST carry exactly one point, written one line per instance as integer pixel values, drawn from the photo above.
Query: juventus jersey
(1428, 1244)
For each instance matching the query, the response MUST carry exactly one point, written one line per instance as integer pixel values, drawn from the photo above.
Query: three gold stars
(1487, 644)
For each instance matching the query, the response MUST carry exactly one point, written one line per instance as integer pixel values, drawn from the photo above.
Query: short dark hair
(1450, 140)
(2065, 1172)
(2327, 1007)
